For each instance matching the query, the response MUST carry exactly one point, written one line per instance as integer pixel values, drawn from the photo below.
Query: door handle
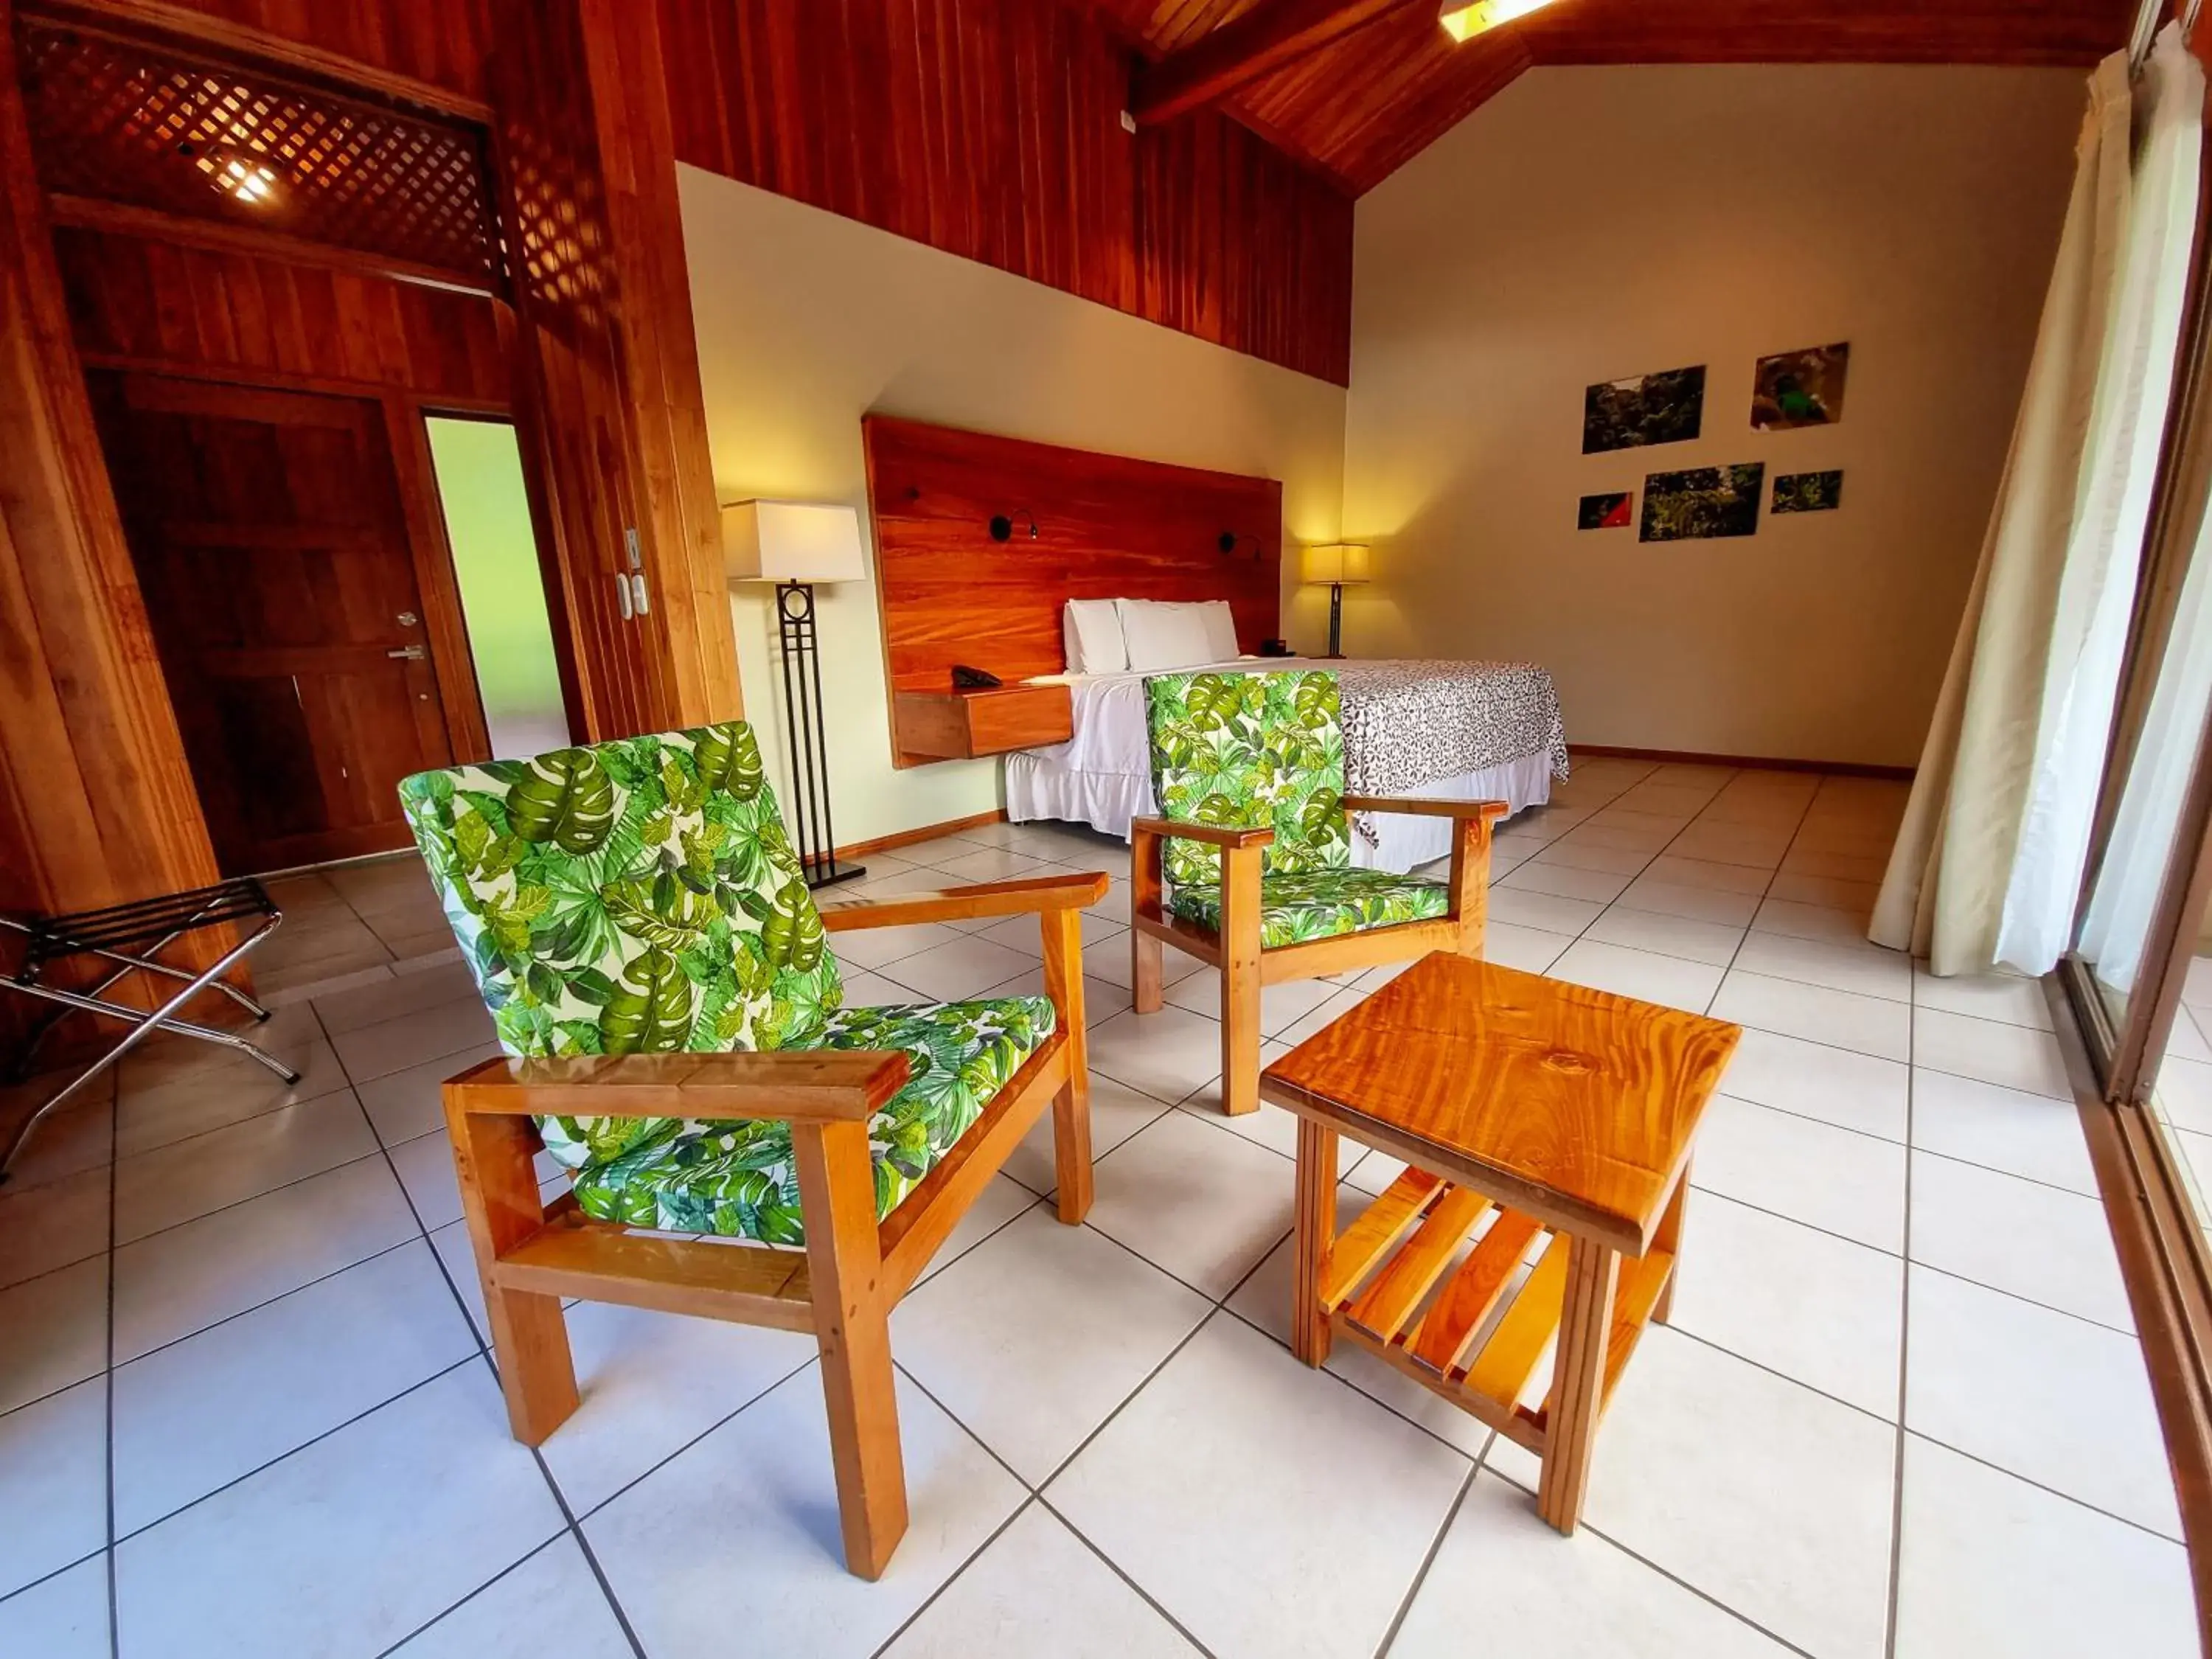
(407, 653)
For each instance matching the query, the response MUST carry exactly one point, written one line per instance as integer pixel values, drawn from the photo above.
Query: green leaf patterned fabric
(739, 1180)
(1250, 752)
(1322, 904)
(1254, 751)
(641, 897)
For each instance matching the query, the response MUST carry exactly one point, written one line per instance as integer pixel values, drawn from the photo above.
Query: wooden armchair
(1249, 868)
(662, 980)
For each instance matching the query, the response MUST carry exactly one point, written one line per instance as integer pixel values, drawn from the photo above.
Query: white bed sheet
(1101, 775)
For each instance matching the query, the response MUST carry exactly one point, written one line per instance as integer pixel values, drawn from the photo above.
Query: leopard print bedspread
(1409, 722)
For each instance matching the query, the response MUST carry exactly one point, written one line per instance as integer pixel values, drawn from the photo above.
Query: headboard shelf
(1108, 527)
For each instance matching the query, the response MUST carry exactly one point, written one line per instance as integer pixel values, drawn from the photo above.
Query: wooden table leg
(1578, 1381)
(1317, 1220)
(1669, 1238)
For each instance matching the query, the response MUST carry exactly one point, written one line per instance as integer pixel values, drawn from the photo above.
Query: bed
(1461, 731)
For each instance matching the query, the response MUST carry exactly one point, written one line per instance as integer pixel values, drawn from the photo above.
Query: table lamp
(1340, 564)
(796, 545)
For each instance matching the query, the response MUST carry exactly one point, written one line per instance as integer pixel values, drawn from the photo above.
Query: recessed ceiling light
(242, 177)
(1464, 18)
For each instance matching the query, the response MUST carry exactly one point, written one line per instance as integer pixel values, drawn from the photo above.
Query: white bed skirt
(1107, 801)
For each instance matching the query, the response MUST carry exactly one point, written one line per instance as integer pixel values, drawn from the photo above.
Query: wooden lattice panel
(125, 121)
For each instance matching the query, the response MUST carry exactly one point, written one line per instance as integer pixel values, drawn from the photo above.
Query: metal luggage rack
(133, 936)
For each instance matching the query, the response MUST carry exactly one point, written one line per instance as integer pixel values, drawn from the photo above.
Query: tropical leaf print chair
(664, 985)
(1248, 866)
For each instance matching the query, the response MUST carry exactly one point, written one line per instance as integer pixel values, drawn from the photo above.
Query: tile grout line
(503, 1573)
(314, 1440)
(1669, 1574)
(1435, 1548)
(1029, 1498)
(1035, 1493)
(559, 1501)
(1904, 1375)
(1116, 1568)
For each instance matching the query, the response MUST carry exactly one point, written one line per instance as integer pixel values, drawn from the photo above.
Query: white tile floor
(245, 1409)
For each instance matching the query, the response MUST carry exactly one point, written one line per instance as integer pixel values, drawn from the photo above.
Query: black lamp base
(829, 874)
(1335, 620)
(814, 838)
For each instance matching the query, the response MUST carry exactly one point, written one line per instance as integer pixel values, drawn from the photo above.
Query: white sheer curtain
(2118, 921)
(2103, 556)
(1989, 860)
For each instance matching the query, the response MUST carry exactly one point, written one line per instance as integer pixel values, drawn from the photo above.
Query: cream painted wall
(806, 321)
(1595, 223)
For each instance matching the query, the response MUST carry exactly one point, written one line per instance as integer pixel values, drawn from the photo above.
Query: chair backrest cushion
(1250, 751)
(634, 896)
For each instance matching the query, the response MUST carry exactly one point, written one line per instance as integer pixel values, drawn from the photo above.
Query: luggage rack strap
(143, 922)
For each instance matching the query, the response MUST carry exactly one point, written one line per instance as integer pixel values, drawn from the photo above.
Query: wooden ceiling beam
(1246, 48)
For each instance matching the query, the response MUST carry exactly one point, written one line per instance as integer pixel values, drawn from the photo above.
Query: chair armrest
(1488, 810)
(994, 898)
(818, 1085)
(1228, 835)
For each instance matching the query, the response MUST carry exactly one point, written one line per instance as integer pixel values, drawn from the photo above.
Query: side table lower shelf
(1478, 1340)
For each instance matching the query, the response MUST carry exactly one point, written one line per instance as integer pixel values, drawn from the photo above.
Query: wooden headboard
(1108, 527)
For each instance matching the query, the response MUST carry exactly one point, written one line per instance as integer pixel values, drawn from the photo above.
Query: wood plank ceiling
(1363, 105)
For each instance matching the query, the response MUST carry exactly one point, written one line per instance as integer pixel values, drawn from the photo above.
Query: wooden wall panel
(992, 129)
(142, 303)
(1234, 243)
(609, 403)
(100, 804)
(1108, 527)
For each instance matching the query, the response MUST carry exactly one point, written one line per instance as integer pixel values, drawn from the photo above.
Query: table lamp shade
(792, 542)
(1343, 562)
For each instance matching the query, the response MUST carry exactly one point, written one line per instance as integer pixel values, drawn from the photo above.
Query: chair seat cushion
(739, 1180)
(1309, 904)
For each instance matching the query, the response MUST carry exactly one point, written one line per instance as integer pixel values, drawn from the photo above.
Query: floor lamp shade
(792, 542)
(796, 545)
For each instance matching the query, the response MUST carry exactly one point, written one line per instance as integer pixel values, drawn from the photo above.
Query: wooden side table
(1561, 1116)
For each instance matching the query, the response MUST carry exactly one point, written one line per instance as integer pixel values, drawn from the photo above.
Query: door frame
(398, 416)
(550, 578)
(445, 626)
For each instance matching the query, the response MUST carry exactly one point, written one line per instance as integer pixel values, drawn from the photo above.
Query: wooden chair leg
(1145, 885)
(1469, 882)
(494, 1159)
(1071, 1149)
(1240, 981)
(852, 1328)
(1147, 966)
(1070, 1107)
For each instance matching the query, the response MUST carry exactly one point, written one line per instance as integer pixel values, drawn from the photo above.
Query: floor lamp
(796, 545)
(1341, 565)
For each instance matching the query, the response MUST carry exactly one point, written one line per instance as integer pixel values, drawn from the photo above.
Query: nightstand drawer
(935, 725)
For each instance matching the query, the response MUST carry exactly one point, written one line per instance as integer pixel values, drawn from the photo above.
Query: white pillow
(1092, 630)
(1221, 629)
(1166, 635)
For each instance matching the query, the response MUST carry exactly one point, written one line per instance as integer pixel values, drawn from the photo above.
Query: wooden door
(270, 540)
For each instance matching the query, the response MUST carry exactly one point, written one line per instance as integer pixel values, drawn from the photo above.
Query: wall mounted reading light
(1002, 526)
(1229, 541)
